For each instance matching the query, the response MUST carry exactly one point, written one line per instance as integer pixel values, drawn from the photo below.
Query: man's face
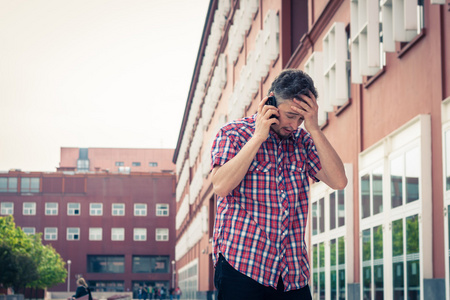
(289, 120)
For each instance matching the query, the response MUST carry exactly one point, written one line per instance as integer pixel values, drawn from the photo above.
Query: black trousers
(233, 285)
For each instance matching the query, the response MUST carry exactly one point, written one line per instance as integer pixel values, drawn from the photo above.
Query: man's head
(290, 84)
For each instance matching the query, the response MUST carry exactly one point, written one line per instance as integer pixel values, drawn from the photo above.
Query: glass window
(51, 208)
(29, 185)
(162, 234)
(397, 259)
(73, 234)
(119, 163)
(136, 164)
(365, 196)
(106, 263)
(140, 209)
(117, 234)
(378, 262)
(29, 208)
(107, 286)
(151, 264)
(29, 230)
(367, 269)
(341, 208)
(83, 165)
(321, 271)
(96, 209)
(412, 257)
(332, 210)
(341, 268)
(152, 164)
(377, 190)
(162, 209)
(140, 234)
(118, 209)
(321, 215)
(314, 218)
(396, 181)
(8, 184)
(50, 233)
(412, 172)
(7, 208)
(95, 234)
(73, 209)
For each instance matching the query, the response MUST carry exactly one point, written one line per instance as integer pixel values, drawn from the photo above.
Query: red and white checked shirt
(260, 225)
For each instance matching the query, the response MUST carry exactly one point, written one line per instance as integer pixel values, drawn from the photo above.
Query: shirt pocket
(260, 166)
(297, 182)
(258, 182)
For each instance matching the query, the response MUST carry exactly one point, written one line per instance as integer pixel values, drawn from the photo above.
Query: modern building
(382, 69)
(116, 229)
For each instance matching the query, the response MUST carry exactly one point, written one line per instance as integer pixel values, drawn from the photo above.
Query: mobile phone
(272, 101)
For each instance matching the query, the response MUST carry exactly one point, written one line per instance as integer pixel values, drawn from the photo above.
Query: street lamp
(68, 275)
(173, 274)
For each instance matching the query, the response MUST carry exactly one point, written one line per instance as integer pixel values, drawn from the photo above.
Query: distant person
(150, 292)
(145, 292)
(82, 289)
(178, 292)
(140, 292)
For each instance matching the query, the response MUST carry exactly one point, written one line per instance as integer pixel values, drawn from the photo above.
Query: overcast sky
(93, 73)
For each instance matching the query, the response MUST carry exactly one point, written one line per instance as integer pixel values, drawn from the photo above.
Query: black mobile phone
(272, 101)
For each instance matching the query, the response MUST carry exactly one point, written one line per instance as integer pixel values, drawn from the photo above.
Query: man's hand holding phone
(266, 117)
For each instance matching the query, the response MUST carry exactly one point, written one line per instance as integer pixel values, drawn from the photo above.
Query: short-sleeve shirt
(260, 225)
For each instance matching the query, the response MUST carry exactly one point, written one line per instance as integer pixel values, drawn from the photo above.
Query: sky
(93, 73)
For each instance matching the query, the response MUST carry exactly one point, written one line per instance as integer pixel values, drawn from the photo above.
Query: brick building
(116, 227)
(382, 72)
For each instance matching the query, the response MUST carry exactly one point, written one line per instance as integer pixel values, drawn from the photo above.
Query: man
(260, 172)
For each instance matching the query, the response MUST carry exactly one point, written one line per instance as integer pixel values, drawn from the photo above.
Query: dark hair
(291, 83)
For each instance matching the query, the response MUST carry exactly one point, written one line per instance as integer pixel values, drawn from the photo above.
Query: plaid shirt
(260, 225)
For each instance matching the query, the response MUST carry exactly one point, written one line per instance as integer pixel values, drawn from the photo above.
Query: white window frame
(51, 236)
(29, 230)
(95, 233)
(140, 234)
(51, 211)
(31, 210)
(415, 133)
(140, 212)
(117, 234)
(73, 233)
(72, 211)
(162, 209)
(161, 234)
(118, 211)
(446, 161)
(7, 210)
(94, 210)
(321, 190)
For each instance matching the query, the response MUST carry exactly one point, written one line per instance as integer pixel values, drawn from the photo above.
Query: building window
(29, 185)
(119, 163)
(29, 208)
(106, 263)
(73, 234)
(29, 230)
(405, 178)
(117, 234)
(96, 209)
(162, 234)
(140, 234)
(188, 280)
(50, 233)
(152, 164)
(8, 184)
(83, 165)
(135, 164)
(118, 209)
(107, 286)
(140, 209)
(151, 264)
(7, 208)
(51, 208)
(95, 234)
(162, 209)
(73, 209)
(372, 256)
(331, 247)
(372, 192)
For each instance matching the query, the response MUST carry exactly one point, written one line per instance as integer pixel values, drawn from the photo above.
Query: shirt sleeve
(313, 166)
(223, 149)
